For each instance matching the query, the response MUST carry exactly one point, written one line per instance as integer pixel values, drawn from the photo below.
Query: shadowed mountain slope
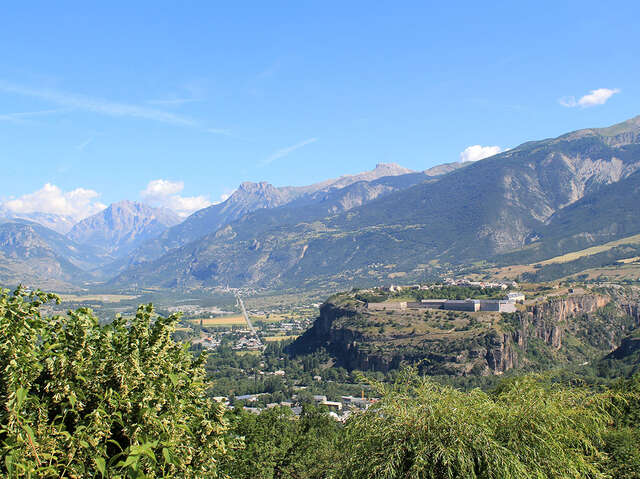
(487, 208)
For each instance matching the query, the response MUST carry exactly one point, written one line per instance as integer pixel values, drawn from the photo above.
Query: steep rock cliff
(560, 330)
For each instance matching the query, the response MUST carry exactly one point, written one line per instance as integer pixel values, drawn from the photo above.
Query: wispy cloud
(97, 105)
(174, 101)
(282, 152)
(220, 131)
(596, 97)
(84, 144)
(23, 117)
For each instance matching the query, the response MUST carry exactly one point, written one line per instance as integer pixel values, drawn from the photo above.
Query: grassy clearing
(635, 259)
(105, 298)
(509, 272)
(220, 321)
(565, 258)
(621, 272)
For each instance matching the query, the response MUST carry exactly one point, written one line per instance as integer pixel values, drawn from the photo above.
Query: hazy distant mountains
(122, 226)
(59, 223)
(536, 200)
(129, 233)
(33, 254)
(490, 207)
(250, 197)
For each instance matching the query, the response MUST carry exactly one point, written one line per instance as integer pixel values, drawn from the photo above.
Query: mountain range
(529, 203)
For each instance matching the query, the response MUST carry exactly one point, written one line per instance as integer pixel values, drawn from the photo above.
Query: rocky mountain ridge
(127, 233)
(250, 197)
(122, 226)
(485, 209)
(540, 199)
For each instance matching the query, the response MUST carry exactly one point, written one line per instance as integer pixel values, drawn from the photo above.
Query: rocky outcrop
(548, 320)
(632, 310)
(539, 332)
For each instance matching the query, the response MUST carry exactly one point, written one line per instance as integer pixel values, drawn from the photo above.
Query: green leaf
(174, 378)
(167, 455)
(8, 462)
(132, 460)
(21, 394)
(100, 464)
(30, 433)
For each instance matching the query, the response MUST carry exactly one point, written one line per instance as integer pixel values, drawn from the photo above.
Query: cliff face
(561, 330)
(549, 321)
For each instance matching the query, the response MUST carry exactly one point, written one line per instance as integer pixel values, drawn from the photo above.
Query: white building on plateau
(507, 305)
(516, 297)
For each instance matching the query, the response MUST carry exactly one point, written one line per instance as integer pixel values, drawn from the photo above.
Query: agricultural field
(221, 321)
(104, 298)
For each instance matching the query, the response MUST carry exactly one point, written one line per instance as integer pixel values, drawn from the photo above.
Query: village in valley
(258, 335)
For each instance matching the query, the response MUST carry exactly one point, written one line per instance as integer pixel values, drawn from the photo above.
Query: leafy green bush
(279, 445)
(84, 400)
(527, 429)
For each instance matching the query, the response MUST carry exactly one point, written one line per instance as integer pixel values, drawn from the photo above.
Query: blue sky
(106, 98)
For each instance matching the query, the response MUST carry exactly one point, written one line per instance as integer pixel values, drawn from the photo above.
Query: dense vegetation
(527, 427)
(124, 400)
(441, 292)
(84, 400)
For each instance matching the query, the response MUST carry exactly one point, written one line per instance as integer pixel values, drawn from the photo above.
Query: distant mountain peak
(393, 169)
(631, 125)
(620, 134)
(123, 225)
(380, 171)
(251, 187)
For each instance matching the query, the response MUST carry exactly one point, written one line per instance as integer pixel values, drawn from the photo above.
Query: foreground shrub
(527, 429)
(84, 400)
(279, 445)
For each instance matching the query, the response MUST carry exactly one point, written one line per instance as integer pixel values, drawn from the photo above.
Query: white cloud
(161, 189)
(478, 152)
(165, 193)
(78, 203)
(282, 152)
(595, 97)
